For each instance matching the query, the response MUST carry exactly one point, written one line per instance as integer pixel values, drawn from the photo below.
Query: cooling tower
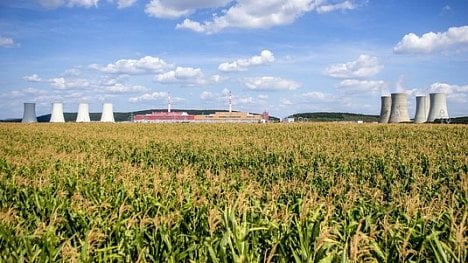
(386, 105)
(422, 109)
(399, 112)
(107, 113)
(83, 113)
(29, 114)
(438, 108)
(57, 112)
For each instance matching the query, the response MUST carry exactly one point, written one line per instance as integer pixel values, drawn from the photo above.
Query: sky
(284, 57)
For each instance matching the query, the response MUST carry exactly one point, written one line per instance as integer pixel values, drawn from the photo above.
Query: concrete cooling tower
(438, 108)
(386, 105)
(57, 112)
(399, 112)
(422, 109)
(83, 113)
(29, 113)
(107, 113)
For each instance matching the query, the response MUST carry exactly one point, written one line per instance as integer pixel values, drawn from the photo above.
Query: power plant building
(107, 113)
(399, 109)
(163, 117)
(385, 109)
(29, 113)
(422, 109)
(83, 113)
(57, 112)
(438, 107)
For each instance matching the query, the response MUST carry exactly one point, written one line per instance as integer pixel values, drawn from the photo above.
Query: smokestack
(107, 113)
(57, 112)
(230, 102)
(169, 103)
(83, 113)
(438, 108)
(399, 112)
(29, 113)
(386, 105)
(422, 109)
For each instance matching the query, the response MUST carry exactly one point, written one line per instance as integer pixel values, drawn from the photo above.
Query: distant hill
(123, 116)
(333, 116)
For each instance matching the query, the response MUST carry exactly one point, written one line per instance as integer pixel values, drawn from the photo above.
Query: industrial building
(422, 109)
(164, 117)
(83, 113)
(399, 109)
(57, 112)
(29, 113)
(385, 109)
(438, 107)
(107, 113)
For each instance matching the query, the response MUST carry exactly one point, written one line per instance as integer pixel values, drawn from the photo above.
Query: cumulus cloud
(6, 42)
(33, 78)
(68, 3)
(182, 75)
(125, 3)
(65, 83)
(364, 66)
(175, 9)
(356, 85)
(262, 14)
(317, 95)
(433, 42)
(448, 88)
(121, 88)
(157, 95)
(265, 57)
(269, 83)
(147, 64)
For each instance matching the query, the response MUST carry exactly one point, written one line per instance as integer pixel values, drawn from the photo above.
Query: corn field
(233, 193)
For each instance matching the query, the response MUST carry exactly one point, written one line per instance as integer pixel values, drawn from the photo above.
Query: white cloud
(317, 95)
(268, 83)
(265, 57)
(121, 88)
(356, 85)
(158, 95)
(207, 95)
(364, 66)
(147, 64)
(33, 78)
(262, 14)
(182, 75)
(68, 3)
(6, 42)
(433, 42)
(64, 83)
(448, 88)
(175, 9)
(125, 3)
(326, 8)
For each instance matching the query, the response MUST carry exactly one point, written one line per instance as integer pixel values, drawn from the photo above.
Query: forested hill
(334, 116)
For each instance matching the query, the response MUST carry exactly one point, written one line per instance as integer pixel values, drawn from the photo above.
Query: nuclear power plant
(438, 109)
(386, 106)
(399, 109)
(29, 113)
(83, 113)
(57, 112)
(107, 113)
(422, 109)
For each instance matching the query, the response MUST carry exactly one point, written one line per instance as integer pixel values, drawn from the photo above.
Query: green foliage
(233, 193)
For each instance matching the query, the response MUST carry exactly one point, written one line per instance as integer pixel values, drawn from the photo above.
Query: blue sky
(281, 56)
